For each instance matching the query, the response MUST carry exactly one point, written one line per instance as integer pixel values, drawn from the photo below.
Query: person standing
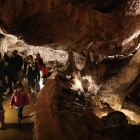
(19, 99)
(2, 89)
(10, 70)
(19, 63)
(31, 72)
(39, 62)
(25, 66)
(45, 73)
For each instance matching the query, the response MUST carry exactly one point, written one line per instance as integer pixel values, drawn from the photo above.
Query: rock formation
(74, 25)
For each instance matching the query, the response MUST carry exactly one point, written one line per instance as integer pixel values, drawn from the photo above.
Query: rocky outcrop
(132, 99)
(114, 119)
(113, 90)
(58, 116)
(45, 122)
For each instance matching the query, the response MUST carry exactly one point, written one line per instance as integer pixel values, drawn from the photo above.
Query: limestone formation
(74, 25)
(113, 90)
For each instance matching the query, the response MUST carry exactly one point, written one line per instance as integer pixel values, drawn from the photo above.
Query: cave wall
(47, 53)
(104, 27)
(114, 90)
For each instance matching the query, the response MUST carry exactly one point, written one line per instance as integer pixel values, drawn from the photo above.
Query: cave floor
(24, 131)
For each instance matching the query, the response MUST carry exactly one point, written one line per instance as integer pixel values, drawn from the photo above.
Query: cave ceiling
(105, 27)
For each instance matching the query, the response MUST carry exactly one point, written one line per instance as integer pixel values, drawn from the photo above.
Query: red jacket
(19, 99)
(45, 71)
(37, 61)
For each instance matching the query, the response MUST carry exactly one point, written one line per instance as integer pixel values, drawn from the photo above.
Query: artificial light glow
(68, 77)
(137, 47)
(105, 114)
(77, 85)
(121, 55)
(111, 57)
(41, 85)
(40, 82)
(130, 54)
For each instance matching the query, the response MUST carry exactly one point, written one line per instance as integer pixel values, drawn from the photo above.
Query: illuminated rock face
(114, 90)
(104, 27)
(47, 54)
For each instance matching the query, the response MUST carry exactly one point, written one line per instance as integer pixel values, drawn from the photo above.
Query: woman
(19, 99)
(31, 72)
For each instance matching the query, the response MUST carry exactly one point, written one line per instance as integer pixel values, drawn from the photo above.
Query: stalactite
(75, 70)
(92, 15)
(69, 57)
(3, 47)
(88, 58)
(76, 14)
(69, 9)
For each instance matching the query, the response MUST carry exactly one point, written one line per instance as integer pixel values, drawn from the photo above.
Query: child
(19, 99)
(45, 73)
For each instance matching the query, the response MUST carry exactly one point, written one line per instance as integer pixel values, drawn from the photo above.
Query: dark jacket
(25, 66)
(11, 68)
(31, 68)
(19, 62)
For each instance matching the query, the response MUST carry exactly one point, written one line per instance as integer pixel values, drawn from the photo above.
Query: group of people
(12, 67)
(32, 68)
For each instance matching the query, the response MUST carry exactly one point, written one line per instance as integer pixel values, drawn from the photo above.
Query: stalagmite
(70, 68)
(86, 70)
(96, 71)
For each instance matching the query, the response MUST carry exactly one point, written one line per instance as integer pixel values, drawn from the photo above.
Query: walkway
(25, 130)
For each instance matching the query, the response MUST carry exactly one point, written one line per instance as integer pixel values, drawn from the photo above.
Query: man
(39, 62)
(19, 64)
(10, 69)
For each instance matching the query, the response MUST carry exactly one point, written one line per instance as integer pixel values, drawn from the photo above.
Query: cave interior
(91, 49)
